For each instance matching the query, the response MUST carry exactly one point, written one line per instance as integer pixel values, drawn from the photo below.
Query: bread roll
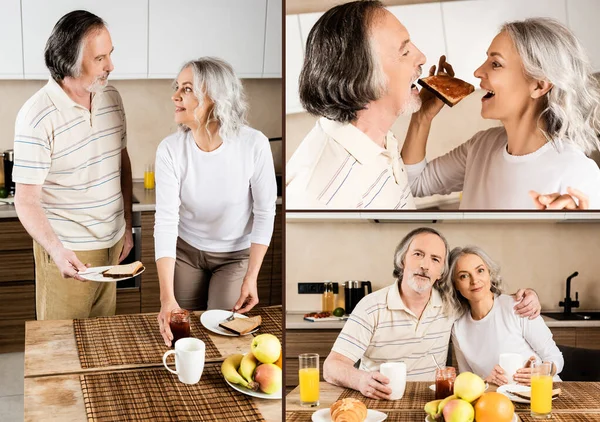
(348, 410)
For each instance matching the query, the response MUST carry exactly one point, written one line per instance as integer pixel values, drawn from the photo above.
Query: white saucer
(95, 274)
(504, 389)
(432, 387)
(259, 394)
(324, 415)
(211, 319)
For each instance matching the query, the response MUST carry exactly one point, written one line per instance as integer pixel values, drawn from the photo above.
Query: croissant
(348, 410)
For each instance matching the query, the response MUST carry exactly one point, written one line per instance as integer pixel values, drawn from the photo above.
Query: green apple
(266, 348)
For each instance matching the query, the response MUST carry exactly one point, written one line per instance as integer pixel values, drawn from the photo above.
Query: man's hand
(430, 104)
(127, 244)
(497, 376)
(164, 320)
(374, 386)
(68, 264)
(248, 296)
(556, 201)
(530, 303)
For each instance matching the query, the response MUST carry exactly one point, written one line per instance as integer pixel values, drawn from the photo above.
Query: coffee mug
(189, 359)
(396, 372)
(510, 362)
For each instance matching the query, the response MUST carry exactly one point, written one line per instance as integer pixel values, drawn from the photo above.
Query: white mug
(510, 362)
(396, 372)
(189, 359)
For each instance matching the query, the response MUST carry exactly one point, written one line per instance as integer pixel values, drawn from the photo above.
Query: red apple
(269, 378)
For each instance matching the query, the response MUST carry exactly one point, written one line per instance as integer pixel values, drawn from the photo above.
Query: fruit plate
(211, 319)
(324, 415)
(432, 387)
(259, 394)
(95, 274)
(430, 419)
(504, 389)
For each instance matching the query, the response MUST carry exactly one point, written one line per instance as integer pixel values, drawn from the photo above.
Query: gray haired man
(72, 171)
(408, 320)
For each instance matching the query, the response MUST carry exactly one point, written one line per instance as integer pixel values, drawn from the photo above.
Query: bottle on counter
(327, 300)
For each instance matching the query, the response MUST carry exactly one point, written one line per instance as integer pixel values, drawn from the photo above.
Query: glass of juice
(179, 324)
(444, 382)
(149, 177)
(309, 379)
(541, 390)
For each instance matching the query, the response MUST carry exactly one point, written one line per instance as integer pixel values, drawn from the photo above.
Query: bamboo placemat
(566, 417)
(157, 395)
(272, 320)
(574, 396)
(415, 397)
(394, 416)
(128, 339)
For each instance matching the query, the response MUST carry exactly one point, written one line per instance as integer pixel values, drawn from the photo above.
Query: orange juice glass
(149, 177)
(541, 390)
(309, 379)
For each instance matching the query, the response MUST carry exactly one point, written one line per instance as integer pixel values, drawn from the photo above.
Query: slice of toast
(448, 89)
(127, 270)
(527, 394)
(242, 325)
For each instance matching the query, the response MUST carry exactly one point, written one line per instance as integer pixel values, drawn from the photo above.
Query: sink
(575, 316)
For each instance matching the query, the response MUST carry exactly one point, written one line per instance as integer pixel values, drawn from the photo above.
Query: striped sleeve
(32, 153)
(355, 337)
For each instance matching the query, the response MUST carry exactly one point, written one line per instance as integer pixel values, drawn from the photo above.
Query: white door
(127, 22)
(11, 54)
(183, 30)
(273, 39)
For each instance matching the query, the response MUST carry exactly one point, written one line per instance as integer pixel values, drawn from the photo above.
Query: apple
(268, 376)
(266, 348)
(458, 410)
(468, 386)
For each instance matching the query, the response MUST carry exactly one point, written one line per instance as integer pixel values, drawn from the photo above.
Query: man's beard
(419, 285)
(412, 105)
(99, 84)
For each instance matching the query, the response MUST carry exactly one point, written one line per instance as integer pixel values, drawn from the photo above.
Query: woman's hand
(430, 104)
(248, 296)
(164, 318)
(497, 376)
(523, 375)
(556, 201)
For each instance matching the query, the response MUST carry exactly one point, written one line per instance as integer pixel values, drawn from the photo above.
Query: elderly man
(408, 320)
(359, 72)
(72, 171)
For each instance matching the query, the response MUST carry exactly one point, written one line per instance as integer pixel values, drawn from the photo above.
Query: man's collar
(394, 301)
(61, 99)
(356, 142)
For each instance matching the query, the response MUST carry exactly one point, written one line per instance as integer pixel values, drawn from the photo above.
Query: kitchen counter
(295, 321)
(146, 198)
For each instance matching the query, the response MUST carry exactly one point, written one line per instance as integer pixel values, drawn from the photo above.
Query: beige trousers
(66, 298)
(208, 280)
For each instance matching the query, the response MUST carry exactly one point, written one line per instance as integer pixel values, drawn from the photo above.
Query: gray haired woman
(215, 197)
(489, 326)
(540, 86)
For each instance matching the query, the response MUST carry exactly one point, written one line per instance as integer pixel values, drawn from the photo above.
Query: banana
(229, 369)
(247, 366)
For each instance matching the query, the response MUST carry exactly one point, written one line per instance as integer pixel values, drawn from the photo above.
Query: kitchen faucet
(568, 303)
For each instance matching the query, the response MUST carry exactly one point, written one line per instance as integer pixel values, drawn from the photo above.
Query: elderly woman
(215, 196)
(549, 106)
(488, 325)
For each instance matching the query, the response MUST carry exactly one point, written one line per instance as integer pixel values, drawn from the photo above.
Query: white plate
(429, 419)
(253, 393)
(324, 415)
(517, 389)
(97, 274)
(211, 319)
(432, 387)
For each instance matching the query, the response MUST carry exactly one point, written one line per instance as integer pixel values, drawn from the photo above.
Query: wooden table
(329, 394)
(52, 369)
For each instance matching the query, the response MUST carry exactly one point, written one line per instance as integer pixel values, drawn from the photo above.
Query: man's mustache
(423, 274)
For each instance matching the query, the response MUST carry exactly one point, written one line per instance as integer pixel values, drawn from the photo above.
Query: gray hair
(342, 72)
(400, 259)
(551, 52)
(497, 287)
(216, 79)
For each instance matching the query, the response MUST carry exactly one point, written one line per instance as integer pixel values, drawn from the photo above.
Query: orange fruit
(494, 407)
(279, 361)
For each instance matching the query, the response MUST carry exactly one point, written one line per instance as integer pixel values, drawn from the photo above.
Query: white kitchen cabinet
(273, 39)
(470, 27)
(11, 54)
(425, 28)
(294, 57)
(183, 30)
(583, 21)
(127, 22)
